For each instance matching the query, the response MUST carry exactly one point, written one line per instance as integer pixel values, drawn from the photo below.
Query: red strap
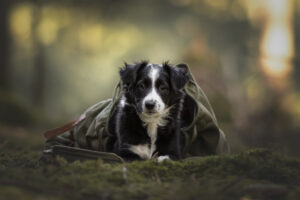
(57, 131)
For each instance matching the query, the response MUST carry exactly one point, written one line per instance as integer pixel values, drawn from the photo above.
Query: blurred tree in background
(4, 44)
(59, 57)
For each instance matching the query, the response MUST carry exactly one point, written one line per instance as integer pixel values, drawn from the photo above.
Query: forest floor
(253, 174)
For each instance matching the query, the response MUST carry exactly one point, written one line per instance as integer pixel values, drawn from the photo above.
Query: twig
(124, 174)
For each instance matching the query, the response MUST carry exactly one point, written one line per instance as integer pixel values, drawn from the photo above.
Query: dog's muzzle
(150, 106)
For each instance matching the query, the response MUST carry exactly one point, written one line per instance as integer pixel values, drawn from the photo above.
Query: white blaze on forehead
(153, 75)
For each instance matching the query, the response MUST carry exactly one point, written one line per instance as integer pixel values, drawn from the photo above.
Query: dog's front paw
(162, 158)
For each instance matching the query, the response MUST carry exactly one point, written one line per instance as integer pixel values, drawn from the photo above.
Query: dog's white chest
(145, 151)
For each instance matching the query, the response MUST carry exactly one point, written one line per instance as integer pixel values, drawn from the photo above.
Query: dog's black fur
(126, 126)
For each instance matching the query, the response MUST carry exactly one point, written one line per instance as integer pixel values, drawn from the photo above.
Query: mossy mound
(258, 174)
(16, 111)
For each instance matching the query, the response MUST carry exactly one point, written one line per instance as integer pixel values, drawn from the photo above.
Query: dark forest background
(57, 58)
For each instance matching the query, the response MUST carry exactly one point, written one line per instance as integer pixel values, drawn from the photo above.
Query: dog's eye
(141, 86)
(163, 88)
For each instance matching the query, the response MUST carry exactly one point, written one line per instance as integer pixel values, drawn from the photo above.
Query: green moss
(212, 177)
(16, 111)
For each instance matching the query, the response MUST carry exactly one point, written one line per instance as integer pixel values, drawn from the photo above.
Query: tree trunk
(39, 70)
(39, 78)
(4, 45)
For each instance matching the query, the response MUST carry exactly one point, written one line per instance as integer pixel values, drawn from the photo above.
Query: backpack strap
(57, 131)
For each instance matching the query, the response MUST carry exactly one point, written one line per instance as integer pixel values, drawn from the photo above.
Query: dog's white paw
(162, 158)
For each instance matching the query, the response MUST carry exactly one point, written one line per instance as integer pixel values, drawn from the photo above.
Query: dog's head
(153, 88)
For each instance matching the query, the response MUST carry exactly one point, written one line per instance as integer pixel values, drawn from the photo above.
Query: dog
(153, 108)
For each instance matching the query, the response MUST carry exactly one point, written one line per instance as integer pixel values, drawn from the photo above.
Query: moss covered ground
(253, 174)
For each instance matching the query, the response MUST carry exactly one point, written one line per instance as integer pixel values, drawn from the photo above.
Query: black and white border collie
(149, 115)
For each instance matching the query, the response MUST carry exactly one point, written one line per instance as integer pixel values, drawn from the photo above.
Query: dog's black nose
(150, 104)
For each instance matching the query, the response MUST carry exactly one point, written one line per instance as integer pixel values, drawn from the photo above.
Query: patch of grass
(253, 174)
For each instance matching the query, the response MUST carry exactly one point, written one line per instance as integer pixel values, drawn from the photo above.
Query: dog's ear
(178, 75)
(128, 73)
(183, 68)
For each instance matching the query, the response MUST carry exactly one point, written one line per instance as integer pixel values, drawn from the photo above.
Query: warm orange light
(277, 42)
